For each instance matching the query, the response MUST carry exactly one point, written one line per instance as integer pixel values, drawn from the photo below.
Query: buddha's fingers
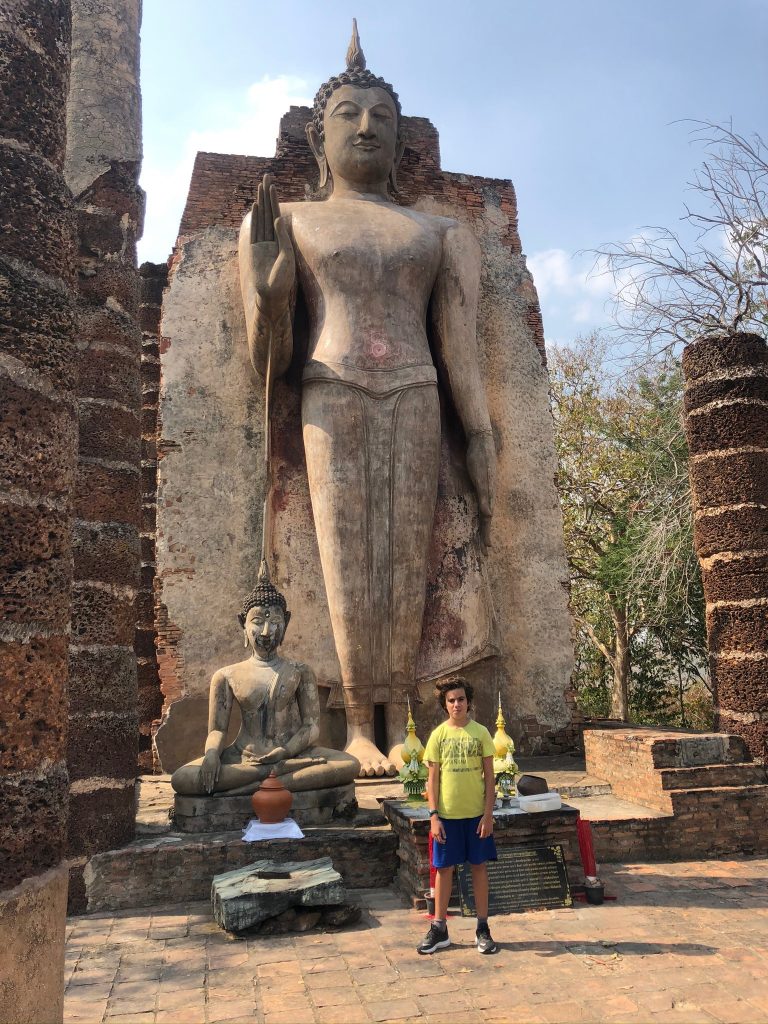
(379, 770)
(275, 204)
(260, 214)
(255, 220)
(269, 216)
(366, 770)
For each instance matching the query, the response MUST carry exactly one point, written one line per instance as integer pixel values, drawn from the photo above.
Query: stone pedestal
(226, 813)
(511, 827)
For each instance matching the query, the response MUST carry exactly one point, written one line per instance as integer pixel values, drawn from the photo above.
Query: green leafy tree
(623, 481)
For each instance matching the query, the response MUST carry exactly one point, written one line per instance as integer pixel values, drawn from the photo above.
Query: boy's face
(456, 705)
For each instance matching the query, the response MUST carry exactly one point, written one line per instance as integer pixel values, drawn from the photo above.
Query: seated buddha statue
(279, 707)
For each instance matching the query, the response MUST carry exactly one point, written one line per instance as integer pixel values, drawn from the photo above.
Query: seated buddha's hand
(274, 756)
(209, 770)
(481, 465)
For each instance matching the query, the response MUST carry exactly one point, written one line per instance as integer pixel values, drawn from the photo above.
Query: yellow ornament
(502, 743)
(412, 747)
(413, 774)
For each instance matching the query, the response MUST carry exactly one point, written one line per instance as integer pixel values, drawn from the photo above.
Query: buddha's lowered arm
(454, 323)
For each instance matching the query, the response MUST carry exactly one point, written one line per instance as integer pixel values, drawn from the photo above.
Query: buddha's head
(264, 617)
(355, 129)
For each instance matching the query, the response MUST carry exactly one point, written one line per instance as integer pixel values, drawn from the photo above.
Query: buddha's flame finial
(500, 722)
(355, 55)
(410, 725)
(264, 572)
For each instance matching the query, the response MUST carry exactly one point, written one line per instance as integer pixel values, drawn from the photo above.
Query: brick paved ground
(683, 942)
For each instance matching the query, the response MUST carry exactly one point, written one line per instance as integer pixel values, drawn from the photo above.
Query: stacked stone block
(102, 168)
(726, 407)
(38, 443)
(154, 278)
(696, 795)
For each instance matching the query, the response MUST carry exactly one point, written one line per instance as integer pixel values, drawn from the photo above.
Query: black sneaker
(485, 943)
(436, 938)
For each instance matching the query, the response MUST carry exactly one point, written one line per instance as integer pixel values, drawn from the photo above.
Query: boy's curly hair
(455, 683)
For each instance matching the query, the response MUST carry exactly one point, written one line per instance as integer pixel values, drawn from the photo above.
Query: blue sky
(574, 100)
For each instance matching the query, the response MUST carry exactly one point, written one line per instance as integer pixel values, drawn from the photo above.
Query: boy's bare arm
(433, 798)
(485, 828)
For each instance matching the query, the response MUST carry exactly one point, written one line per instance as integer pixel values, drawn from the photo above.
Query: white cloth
(255, 832)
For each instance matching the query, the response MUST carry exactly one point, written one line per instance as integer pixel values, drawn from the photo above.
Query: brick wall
(714, 799)
(726, 409)
(102, 167)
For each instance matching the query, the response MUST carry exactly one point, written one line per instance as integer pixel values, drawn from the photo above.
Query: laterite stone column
(726, 407)
(38, 445)
(102, 169)
(154, 278)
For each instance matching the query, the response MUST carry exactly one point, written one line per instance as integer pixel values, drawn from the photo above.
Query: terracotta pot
(271, 801)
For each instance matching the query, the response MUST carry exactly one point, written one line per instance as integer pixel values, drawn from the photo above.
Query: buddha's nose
(265, 629)
(365, 129)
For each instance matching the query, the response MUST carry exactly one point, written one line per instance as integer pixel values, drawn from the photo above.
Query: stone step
(673, 749)
(714, 775)
(176, 867)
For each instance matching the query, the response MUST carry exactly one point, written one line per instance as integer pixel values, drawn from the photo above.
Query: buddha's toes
(372, 762)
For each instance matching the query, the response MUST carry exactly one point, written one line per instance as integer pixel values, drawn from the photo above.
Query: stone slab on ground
(685, 942)
(266, 888)
(222, 813)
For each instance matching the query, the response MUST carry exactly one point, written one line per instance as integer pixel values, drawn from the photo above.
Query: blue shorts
(462, 844)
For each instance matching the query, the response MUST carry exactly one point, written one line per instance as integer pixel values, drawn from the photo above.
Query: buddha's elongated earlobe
(399, 150)
(318, 149)
(245, 640)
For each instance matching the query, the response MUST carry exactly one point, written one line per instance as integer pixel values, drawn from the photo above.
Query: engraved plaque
(523, 878)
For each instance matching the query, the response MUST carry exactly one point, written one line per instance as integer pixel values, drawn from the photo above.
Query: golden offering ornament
(414, 772)
(504, 767)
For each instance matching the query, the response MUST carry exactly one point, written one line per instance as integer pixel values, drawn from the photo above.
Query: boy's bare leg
(480, 889)
(443, 887)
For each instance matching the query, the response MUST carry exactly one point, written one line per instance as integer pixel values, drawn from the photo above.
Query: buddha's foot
(372, 762)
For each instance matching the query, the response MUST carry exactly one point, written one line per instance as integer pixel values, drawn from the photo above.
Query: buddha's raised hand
(272, 260)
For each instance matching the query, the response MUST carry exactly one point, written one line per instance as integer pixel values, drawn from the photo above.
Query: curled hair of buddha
(265, 595)
(356, 74)
(455, 683)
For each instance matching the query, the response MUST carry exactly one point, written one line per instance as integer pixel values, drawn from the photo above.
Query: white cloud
(572, 290)
(246, 125)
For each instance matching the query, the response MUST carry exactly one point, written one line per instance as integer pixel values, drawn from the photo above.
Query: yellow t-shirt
(460, 753)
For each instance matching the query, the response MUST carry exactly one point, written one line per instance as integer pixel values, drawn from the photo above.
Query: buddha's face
(264, 629)
(360, 134)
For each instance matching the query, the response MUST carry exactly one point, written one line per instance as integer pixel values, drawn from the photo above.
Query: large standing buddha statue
(386, 288)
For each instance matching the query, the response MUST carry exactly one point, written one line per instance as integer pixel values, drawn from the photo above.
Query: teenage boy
(461, 794)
